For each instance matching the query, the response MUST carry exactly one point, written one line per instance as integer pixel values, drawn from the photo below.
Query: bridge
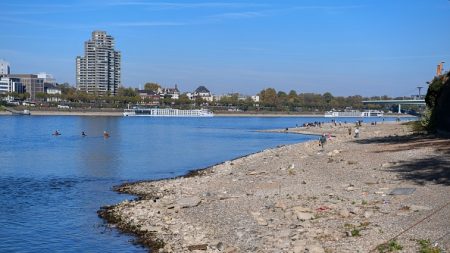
(398, 102)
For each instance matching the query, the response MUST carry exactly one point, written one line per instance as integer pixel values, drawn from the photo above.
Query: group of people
(83, 134)
(323, 138)
(333, 121)
(313, 124)
(356, 131)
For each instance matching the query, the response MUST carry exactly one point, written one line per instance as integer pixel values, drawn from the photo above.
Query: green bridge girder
(398, 102)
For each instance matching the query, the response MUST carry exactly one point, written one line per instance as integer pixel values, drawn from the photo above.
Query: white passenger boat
(354, 113)
(167, 112)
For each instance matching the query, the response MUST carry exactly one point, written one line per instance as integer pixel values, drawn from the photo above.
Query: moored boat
(167, 112)
(354, 113)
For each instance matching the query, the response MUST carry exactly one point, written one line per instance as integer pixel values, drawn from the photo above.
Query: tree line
(269, 100)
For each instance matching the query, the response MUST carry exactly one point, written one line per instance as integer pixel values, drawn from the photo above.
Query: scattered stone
(350, 188)
(302, 213)
(416, 208)
(402, 191)
(315, 248)
(254, 206)
(189, 202)
(344, 213)
(281, 204)
(198, 247)
(251, 173)
(220, 246)
(260, 220)
(368, 214)
(355, 210)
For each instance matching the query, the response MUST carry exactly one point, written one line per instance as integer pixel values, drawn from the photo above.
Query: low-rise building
(204, 93)
(32, 83)
(173, 93)
(9, 85)
(149, 97)
(53, 91)
(47, 78)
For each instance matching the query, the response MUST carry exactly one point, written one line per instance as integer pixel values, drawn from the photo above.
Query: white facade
(8, 85)
(190, 95)
(4, 85)
(173, 93)
(53, 91)
(47, 78)
(4, 67)
(206, 97)
(204, 93)
(255, 98)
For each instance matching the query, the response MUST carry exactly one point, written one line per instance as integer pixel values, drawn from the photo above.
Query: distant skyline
(346, 47)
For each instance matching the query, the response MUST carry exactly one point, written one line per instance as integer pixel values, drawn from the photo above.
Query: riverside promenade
(389, 185)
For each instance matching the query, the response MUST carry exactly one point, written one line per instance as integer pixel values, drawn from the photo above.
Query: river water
(52, 186)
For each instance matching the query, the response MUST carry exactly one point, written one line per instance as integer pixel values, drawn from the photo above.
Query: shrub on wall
(437, 103)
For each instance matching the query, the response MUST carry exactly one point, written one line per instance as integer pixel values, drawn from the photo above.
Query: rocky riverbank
(356, 195)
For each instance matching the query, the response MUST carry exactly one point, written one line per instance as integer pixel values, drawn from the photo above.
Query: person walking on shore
(322, 141)
(357, 132)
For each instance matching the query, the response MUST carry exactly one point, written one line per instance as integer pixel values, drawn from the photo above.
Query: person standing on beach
(322, 141)
(357, 132)
(349, 131)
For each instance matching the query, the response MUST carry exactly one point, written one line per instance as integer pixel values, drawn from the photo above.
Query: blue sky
(346, 47)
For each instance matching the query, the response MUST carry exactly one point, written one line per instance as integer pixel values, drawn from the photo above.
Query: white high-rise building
(98, 72)
(4, 67)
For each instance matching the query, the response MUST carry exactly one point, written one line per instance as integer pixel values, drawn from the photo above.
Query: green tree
(183, 99)
(327, 97)
(245, 104)
(199, 101)
(229, 100)
(167, 100)
(282, 98)
(437, 93)
(41, 95)
(293, 100)
(268, 97)
(126, 92)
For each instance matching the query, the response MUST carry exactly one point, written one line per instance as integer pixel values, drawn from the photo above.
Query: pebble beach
(389, 188)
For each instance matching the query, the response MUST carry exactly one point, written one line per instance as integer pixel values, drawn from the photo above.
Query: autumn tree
(152, 87)
(268, 97)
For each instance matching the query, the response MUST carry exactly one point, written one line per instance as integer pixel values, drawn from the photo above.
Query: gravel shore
(300, 198)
